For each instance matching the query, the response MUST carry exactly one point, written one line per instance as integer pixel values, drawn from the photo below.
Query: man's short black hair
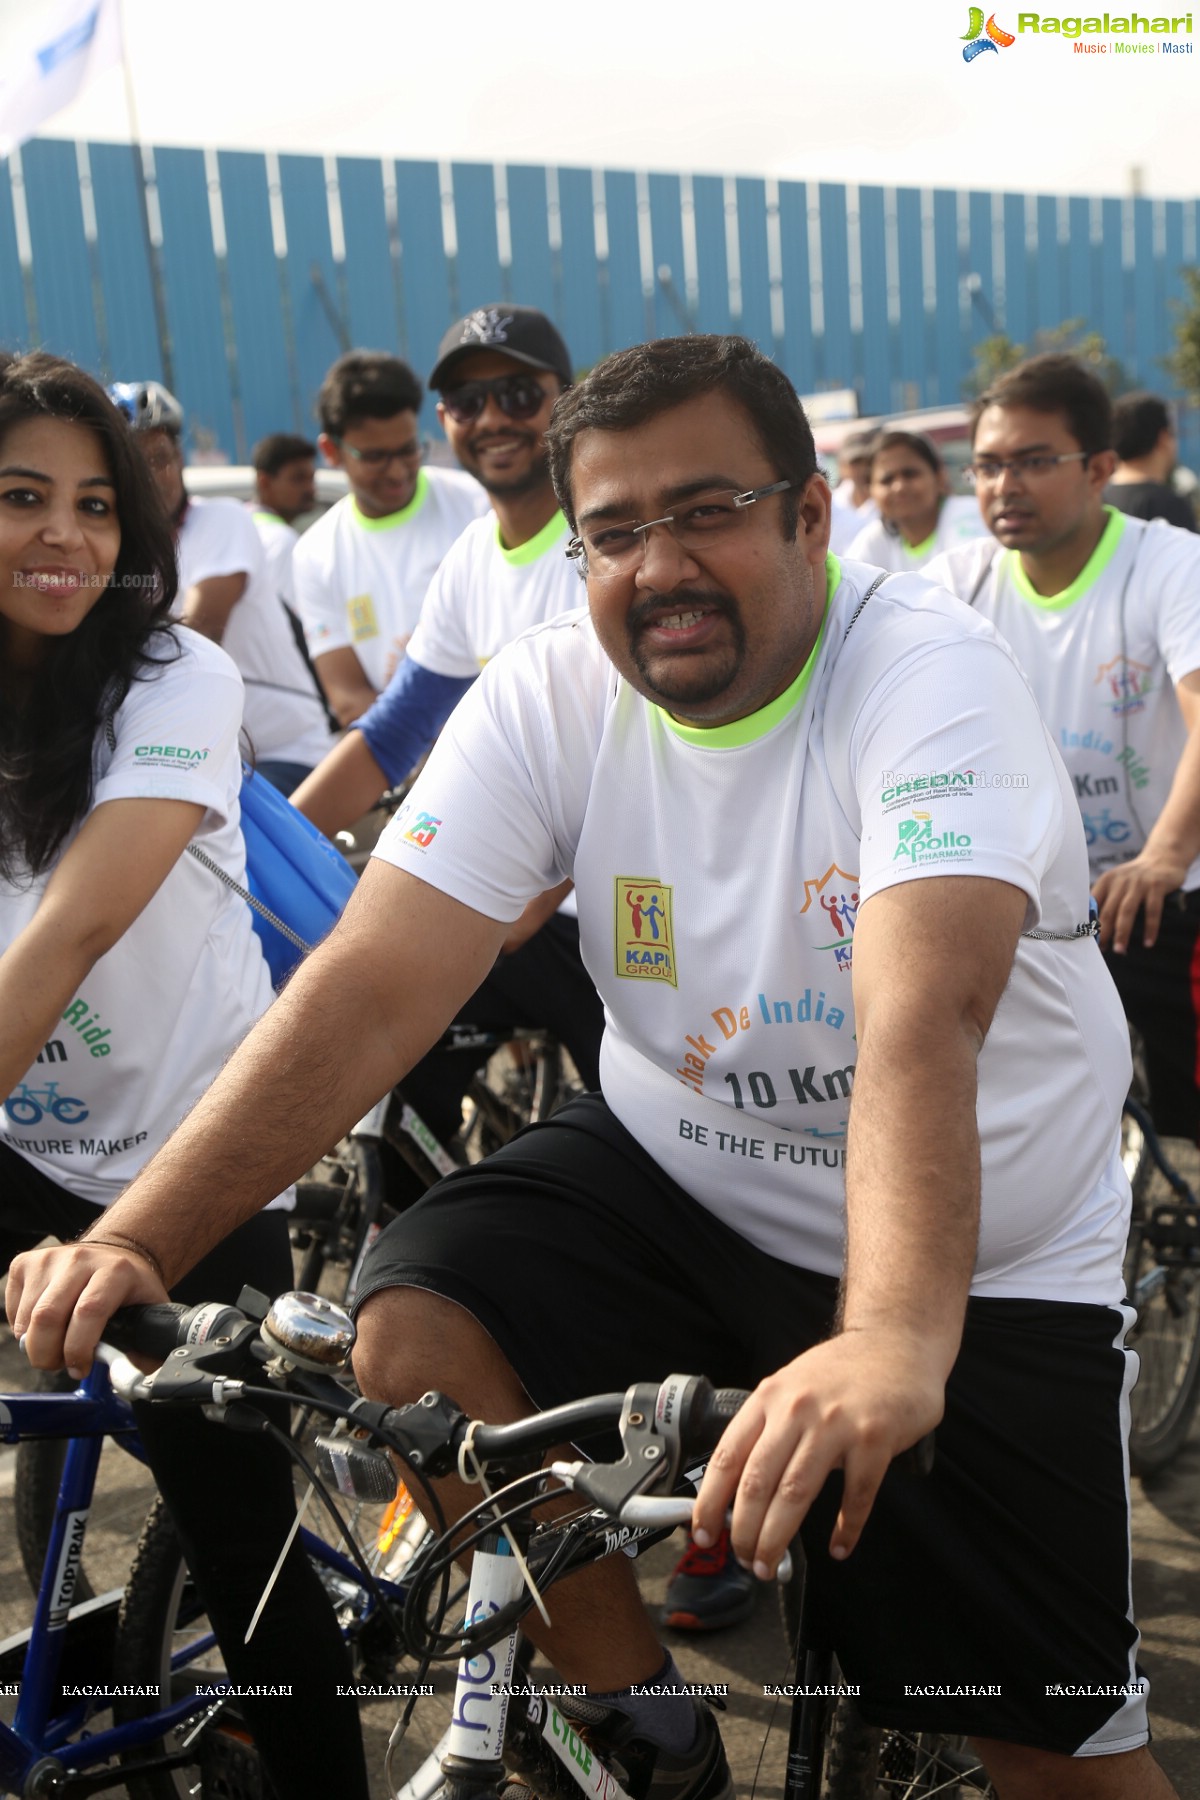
(1139, 420)
(273, 453)
(366, 384)
(630, 387)
(1055, 383)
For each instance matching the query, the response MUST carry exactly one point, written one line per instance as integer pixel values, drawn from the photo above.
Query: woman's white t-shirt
(159, 1013)
(959, 521)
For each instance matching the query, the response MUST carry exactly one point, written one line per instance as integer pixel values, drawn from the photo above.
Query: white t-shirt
(844, 526)
(150, 1027)
(360, 582)
(863, 510)
(719, 876)
(284, 718)
(278, 540)
(1103, 657)
(958, 523)
(483, 596)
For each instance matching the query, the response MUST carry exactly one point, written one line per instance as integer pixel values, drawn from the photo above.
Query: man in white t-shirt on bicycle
(360, 573)
(1103, 611)
(713, 756)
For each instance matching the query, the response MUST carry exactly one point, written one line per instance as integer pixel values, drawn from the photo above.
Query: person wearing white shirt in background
(499, 371)
(1103, 611)
(285, 488)
(918, 516)
(224, 594)
(361, 572)
(853, 491)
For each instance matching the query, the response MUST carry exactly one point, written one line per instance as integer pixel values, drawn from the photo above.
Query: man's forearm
(912, 1194)
(1176, 831)
(352, 1021)
(344, 785)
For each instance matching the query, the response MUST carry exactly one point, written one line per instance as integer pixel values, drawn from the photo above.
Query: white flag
(49, 50)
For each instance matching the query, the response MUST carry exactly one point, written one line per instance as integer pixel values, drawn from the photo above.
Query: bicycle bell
(309, 1331)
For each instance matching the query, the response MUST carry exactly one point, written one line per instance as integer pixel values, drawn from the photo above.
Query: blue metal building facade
(272, 265)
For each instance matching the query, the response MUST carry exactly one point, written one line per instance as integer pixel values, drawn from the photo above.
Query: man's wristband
(120, 1242)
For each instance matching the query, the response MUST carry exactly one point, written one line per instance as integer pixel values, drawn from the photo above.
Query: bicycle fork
(471, 1753)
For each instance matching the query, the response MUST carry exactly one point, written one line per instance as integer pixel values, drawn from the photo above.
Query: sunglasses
(517, 396)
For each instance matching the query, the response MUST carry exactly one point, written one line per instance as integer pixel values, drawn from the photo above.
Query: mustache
(644, 609)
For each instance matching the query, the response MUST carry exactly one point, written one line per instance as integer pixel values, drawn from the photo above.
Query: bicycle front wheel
(1165, 1294)
(166, 1648)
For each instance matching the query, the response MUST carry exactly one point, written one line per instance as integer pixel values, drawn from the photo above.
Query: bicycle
(502, 1727)
(131, 1638)
(1162, 1279)
(388, 1159)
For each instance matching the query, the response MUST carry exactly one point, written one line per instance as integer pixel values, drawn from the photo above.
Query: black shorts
(1160, 991)
(1008, 1568)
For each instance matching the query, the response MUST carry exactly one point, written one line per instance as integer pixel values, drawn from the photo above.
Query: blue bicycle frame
(44, 1727)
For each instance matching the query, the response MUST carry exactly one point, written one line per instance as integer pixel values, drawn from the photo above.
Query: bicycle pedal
(1175, 1227)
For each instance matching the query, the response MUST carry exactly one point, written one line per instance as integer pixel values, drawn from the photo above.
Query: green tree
(994, 356)
(1183, 364)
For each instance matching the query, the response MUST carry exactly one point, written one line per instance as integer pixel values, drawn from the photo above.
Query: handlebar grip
(157, 1330)
(706, 1412)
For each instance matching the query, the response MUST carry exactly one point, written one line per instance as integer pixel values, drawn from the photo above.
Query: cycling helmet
(148, 406)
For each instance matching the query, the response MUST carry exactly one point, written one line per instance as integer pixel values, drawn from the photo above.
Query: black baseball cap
(518, 331)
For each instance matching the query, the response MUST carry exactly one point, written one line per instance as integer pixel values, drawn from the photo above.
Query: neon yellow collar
(535, 546)
(390, 520)
(1091, 571)
(757, 724)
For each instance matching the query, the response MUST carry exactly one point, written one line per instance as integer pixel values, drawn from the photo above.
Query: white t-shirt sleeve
(488, 820)
(319, 604)
(1171, 585)
(440, 641)
(221, 539)
(177, 733)
(956, 790)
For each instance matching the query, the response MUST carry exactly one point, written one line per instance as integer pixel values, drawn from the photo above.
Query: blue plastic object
(291, 869)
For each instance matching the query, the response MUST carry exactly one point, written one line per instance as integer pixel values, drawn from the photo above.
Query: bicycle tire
(159, 1613)
(870, 1762)
(121, 1501)
(1166, 1337)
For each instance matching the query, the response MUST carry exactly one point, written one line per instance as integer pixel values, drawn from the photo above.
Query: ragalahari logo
(974, 40)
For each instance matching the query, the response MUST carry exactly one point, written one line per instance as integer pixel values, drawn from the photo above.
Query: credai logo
(974, 40)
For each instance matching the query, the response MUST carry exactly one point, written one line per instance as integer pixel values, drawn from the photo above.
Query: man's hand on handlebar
(852, 1403)
(60, 1299)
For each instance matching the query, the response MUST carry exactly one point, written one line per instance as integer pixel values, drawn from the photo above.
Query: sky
(833, 90)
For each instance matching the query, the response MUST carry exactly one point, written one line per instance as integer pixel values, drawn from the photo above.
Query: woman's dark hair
(47, 731)
(633, 386)
(916, 441)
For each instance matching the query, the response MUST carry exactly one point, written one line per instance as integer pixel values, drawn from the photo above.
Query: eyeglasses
(988, 470)
(604, 550)
(517, 396)
(414, 451)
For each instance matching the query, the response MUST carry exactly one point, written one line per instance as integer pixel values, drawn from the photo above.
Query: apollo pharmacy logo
(975, 42)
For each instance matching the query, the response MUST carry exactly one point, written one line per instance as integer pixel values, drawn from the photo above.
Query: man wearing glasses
(360, 573)
(1103, 611)
(778, 901)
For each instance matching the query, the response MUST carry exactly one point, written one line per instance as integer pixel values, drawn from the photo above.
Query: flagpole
(153, 260)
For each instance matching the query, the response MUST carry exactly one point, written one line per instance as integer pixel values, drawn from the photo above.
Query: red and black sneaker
(709, 1590)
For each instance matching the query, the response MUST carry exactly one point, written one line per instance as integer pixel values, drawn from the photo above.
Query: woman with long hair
(128, 971)
(918, 515)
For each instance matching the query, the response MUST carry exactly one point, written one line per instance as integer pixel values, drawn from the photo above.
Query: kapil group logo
(974, 40)
(1126, 683)
(836, 893)
(644, 929)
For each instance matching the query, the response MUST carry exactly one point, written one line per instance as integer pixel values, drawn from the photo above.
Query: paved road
(1166, 1536)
